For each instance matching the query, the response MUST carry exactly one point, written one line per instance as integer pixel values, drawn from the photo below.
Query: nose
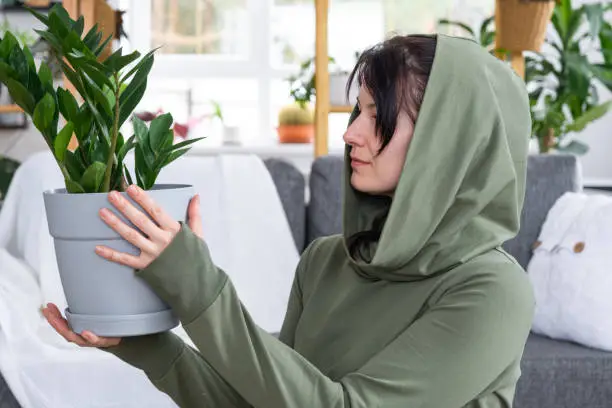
(354, 135)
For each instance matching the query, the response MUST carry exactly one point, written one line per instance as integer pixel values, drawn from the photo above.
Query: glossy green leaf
(6, 72)
(79, 25)
(459, 24)
(90, 38)
(184, 144)
(116, 61)
(574, 147)
(141, 70)
(57, 26)
(73, 187)
(18, 61)
(127, 146)
(128, 104)
(62, 140)
(589, 116)
(29, 59)
(92, 69)
(158, 130)
(604, 74)
(101, 47)
(73, 164)
(9, 42)
(43, 113)
(20, 95)
(68, 105)
(175, 155)
(93, 177)
(41, 17)
(45, 75)
(53, 41)
(595, 18)
(98, 96)
(128, 176)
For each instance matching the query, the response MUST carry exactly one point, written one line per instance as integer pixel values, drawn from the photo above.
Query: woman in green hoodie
(415, 304)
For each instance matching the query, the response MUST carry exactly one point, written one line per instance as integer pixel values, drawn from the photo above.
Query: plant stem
(114, 136)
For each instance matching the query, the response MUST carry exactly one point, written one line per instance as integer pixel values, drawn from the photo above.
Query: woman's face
(376, 174)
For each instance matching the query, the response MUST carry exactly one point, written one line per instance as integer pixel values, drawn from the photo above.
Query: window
(240, 52)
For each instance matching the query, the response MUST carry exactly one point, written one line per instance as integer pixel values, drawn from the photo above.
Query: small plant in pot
(103, 297)
(296, 123)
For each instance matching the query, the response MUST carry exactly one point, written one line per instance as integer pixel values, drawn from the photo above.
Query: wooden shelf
(10, 109)
(341, 109)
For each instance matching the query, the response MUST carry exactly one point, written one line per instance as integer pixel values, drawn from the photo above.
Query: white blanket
(248, 235)
(570, 271)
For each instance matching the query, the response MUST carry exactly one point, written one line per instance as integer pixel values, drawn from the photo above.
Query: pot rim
(156, 187)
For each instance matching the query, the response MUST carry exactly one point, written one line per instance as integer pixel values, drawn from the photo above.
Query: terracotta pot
(521, 24)
(295, 133)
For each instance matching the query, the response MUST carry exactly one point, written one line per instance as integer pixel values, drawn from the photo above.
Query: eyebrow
(369, 105)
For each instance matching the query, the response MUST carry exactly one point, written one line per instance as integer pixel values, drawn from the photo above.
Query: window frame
(256, 65)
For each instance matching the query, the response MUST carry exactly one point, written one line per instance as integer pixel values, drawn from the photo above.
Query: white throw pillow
(571, 271)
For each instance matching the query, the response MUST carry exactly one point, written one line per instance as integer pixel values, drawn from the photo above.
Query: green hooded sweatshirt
(437, 316)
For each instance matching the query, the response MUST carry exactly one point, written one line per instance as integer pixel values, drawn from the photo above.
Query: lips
(356, 162)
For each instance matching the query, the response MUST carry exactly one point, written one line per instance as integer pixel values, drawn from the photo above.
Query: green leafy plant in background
(563, 80)
(24, 37)
(302, 84)
(110, 90)
(484, 35)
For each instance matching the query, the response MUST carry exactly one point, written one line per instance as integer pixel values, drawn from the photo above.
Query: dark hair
(396, 73)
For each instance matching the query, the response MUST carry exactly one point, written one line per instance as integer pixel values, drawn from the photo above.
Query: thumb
(194, 220)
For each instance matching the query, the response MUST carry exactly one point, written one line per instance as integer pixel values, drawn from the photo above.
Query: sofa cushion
(324, 212)
(291, 185)
(7, 400)
(563, 375)
(548, 178)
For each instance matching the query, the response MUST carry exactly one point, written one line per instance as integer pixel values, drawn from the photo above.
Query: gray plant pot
(104, 297)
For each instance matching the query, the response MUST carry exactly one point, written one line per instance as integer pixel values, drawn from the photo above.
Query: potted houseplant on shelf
(296, 123)
(563, 79)
(302, 84)
(521, 24)
(102, 296)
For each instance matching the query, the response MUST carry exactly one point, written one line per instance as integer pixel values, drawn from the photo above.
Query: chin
(368, 186)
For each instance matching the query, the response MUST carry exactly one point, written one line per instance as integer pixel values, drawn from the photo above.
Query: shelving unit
(10, 109)
(322, 106)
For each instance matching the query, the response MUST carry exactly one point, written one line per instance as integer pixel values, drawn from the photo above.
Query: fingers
(137, 217)
(55, 319)
(87, 339)
(163, 219)
(193, 215)
(128, 233)
(97, 341)
(122, 258)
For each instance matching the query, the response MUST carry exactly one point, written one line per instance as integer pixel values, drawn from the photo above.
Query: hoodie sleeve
(180, 371)
(446, 358)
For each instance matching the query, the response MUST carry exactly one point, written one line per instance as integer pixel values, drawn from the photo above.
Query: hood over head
(462, 185)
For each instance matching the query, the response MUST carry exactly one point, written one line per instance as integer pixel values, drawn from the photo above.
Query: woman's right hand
(85, 339)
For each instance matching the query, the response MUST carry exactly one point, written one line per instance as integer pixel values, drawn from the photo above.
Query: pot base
(123, 326)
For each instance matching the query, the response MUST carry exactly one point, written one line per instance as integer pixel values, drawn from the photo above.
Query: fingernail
(132, 189)
(198, 198)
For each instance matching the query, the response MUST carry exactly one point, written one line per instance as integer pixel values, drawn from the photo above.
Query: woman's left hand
(156, 237)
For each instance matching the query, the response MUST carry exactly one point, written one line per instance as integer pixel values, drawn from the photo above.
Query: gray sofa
(555, 374)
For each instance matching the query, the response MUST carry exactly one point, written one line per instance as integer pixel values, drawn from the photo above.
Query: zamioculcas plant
(110, 90)
(103, 297)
